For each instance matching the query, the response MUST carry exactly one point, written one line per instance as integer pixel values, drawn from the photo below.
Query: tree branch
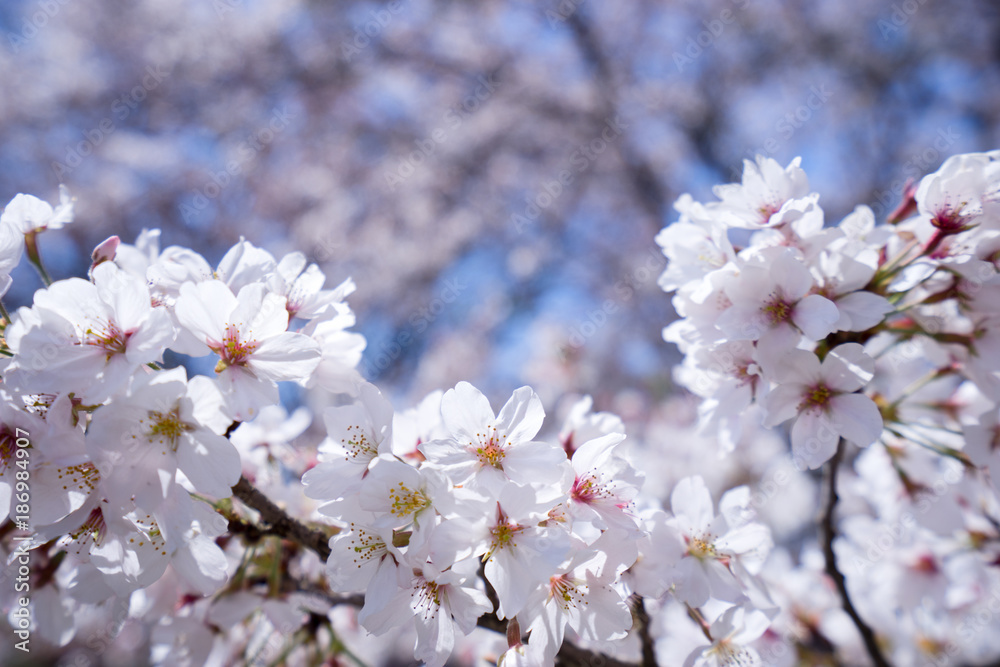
(645, 638)
(829, 532)
(279, 522)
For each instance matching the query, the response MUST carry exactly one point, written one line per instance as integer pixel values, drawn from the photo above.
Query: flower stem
(31, 249)
(829, 533)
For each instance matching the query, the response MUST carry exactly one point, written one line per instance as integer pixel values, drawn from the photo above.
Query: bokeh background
(417, 145)
(491, 174)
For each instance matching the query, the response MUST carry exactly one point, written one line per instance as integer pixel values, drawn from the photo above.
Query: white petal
(692, 501)
(814, 439)
(848, 368)
(211, 462)
(816, 316)
(531, 462)
(466, 412)
(782, 403)
(857, 418)
(521, 417)
(287, 356)
(202, 564)
(791, 275)
(203, 308)
(864, 309)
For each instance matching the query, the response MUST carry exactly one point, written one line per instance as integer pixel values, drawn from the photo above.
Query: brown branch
(829, 532)
(571, 655)
(278, 522)
(642, 622)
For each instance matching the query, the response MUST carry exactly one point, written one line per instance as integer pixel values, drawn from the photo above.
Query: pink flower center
(504, 535)
(777, 310)
(233, 351)
(93, 530)
(366, 546)
(767, 210)
(925, 564)
(110, 338)
(950, 220)
(427, 599)
(743, 374)
(817, 397)
(588, 490)
(490, 451)
(566, 592)
(701, 546)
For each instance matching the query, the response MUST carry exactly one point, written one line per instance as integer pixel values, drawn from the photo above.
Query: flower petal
(816, 316)
(857, 418)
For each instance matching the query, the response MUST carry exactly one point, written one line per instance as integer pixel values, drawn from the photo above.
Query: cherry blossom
(765, 188)
(771, 298)
(248, 332)
(716, 546)
(824, 400)
(29, 214)
(164, 425)
(488, 450)
(87, 338)
(731, 635)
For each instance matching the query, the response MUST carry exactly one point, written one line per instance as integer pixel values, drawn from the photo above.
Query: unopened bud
(908, 206)
(105, 251)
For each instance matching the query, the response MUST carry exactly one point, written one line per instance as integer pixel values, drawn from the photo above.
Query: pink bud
(105, 251)
(908, 206)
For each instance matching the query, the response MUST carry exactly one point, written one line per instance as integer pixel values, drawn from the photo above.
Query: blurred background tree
(491, 173)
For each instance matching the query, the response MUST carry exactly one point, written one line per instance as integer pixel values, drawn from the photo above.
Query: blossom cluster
(427, 499)
(126, 455)
(445, 517)
(147, 395)
(862, 335)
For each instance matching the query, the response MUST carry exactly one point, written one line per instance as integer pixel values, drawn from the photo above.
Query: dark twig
(829, 533)
(278, 521)
(571, 655)
(642, 622)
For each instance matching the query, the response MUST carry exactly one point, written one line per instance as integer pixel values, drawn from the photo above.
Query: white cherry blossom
(824, 399)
